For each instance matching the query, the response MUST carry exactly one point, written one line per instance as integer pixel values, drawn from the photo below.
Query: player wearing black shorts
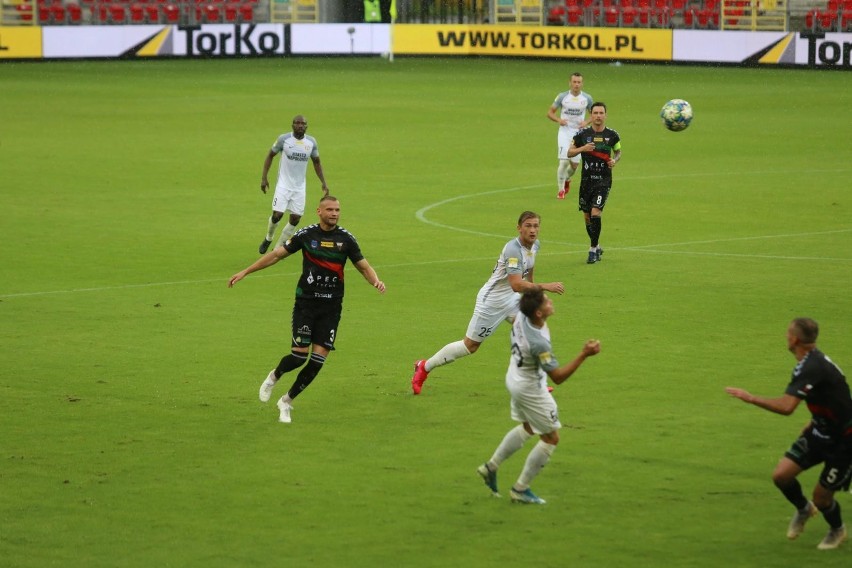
(319, 297)
(601, 149)
(826, 439)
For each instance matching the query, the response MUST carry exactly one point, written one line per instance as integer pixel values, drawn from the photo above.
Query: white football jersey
(513, 259)
(573, 109)
(531, 353)
(293, 166)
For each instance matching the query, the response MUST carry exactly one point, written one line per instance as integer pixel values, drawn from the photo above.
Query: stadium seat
(827, 21)
(137, 14)
(846, 20)
(810, 19)
(212, 13)
(556, 16)
(628, 16)
(611, 16)
(574, 16)
(44, 15)
(152, 13)
(231, 11)
(117, 13)
(171, 13)
(678, 7)
(247, 12)
(75, 13)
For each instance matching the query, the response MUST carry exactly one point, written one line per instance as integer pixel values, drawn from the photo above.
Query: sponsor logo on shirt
(545, 358)
(512, 262)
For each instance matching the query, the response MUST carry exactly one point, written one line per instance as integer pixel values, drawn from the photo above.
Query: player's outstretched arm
(561, 374)
(265, 261)
(784, 404)
(370, 275)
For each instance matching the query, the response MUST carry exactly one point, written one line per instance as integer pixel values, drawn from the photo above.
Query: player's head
(536, 305)
(598, 113)
(528, 227)
(528, 215)
(576, 83)
(328, 211)
(300, 125)
(803, 332)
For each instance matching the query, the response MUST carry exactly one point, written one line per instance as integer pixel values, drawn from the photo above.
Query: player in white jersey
(497, 300)
(296, 148)
(530, 363)
(569, 111)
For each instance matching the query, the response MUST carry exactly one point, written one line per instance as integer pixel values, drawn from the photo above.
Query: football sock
(538, 458)
(270, 228)
(289, 362)
(512, 442)
(286, 233)
(596, 230)
(589, 229)
(447, 354)
(793, 493)
(832, 515)
(563, 173)
(306, 375)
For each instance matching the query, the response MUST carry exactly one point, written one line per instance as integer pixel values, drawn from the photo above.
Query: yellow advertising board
(601, 43)
(20, 42)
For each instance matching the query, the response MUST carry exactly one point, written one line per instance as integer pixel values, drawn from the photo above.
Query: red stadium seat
(44, 15)
(556, 16)
(212, 13)
(171, 13)
(574, 15)
(117, 13)
(247, 12)
(628, 16)
(846, 20)
(611, 16)
(826, 21)
(810, 19)
(75, 13)
(137, 14)
(152, 13)
(232, 10)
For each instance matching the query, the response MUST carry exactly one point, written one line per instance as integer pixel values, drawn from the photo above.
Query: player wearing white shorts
(569, 111)
(530, 363)
(497, 300)
(296, 148)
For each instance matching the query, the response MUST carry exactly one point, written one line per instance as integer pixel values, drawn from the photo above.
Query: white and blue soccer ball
(676, 115)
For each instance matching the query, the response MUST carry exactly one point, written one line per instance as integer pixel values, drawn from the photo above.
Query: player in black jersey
(826, 439)
(319, 296)
(601, 149)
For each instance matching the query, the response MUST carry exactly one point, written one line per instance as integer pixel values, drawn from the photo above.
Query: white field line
(421, 216)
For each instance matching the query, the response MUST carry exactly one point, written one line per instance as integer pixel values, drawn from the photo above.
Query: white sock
(447, 354)
(286, 233)
(538, 458)
(512, 442)
(270, 229)
(563, 173)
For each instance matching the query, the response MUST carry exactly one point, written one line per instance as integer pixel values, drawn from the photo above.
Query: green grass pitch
(131, 430)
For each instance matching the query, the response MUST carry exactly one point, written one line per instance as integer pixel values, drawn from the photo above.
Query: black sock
(289, 362)
(832, 515)
(793, 493)
(306, 375)
(589, 229)
(595, 231)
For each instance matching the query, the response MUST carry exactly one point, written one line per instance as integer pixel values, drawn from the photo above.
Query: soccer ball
(676, 115)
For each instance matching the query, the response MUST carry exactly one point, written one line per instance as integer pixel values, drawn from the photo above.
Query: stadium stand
(107, 12)
(697, 14)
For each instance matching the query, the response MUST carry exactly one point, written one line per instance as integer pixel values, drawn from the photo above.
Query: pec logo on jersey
(512, 262)
(545, 358)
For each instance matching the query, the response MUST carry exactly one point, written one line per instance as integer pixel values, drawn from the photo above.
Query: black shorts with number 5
(812, 449)
(593, 193)
(315, 321)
